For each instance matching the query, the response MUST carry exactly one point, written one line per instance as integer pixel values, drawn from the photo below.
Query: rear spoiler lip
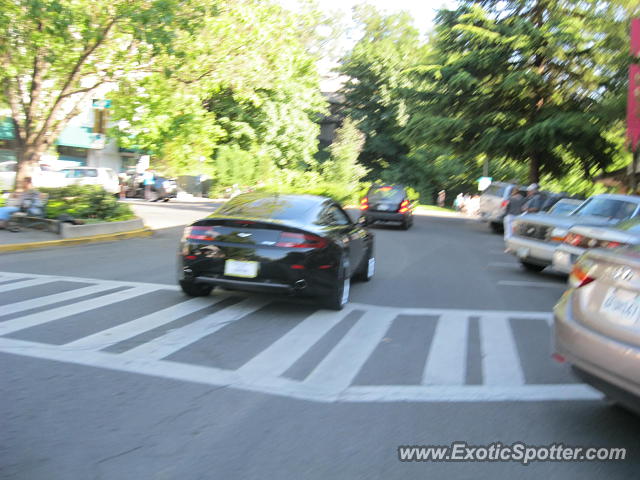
(289, 225)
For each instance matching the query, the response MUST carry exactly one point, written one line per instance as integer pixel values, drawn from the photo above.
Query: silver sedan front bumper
(533, 251)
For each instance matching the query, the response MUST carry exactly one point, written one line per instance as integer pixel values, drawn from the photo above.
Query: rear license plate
(562, 260)
(237, 268)
(522, 252)
(622, 307)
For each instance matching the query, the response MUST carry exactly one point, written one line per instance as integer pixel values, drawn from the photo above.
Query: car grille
(532, 230)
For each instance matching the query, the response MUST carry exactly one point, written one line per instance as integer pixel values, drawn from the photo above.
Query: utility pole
(633, 104)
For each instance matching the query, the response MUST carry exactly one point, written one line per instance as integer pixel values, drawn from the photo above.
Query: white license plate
(622, 307)
(562, 260)
(237, 268)
(522, 252)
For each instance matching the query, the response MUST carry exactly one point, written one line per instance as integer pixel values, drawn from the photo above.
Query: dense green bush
(90, 202)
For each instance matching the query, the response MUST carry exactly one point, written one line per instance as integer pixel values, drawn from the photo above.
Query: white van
(105, 177)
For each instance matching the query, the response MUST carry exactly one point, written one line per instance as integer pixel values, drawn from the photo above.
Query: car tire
(496, 227)
(193, 289)
(531, 267)
(406, 224)
(339, 296)
(368, 268)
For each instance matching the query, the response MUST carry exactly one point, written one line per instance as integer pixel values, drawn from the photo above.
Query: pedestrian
(514, 208)
(534, 200)
(442, 196)
(28, 201)
(148, 179)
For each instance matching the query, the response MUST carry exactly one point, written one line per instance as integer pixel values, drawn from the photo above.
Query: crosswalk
(284, 348)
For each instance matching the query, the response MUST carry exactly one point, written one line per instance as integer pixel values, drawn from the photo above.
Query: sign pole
(633, 105)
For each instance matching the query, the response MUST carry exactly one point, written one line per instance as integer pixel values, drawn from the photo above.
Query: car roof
(618, 196)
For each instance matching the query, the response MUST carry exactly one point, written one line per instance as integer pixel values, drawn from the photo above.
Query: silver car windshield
(606, 207)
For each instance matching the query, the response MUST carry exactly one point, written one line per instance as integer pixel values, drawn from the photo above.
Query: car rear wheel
(367, 268)
(406, 224)
(532, 267)
(339, 296)
(496, 227)
(195, 289)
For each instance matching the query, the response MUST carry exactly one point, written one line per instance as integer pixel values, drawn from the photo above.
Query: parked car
(493, 203)
(162, 189)
(537, 235)
(43, 175)
(293, 244)
(581, 238)
(387, 203)
(104, 177)
(564, 206)
(597, 323)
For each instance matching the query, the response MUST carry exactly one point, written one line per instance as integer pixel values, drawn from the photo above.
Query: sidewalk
(27, 235)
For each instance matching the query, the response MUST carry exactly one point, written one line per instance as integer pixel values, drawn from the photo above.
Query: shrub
(90, 201)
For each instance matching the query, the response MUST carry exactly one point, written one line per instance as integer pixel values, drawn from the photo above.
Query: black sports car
(295, 244)
(387, 203)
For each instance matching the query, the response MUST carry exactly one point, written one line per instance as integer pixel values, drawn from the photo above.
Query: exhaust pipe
(300, 284)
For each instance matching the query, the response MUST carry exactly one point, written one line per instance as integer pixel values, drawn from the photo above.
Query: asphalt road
(109, 373)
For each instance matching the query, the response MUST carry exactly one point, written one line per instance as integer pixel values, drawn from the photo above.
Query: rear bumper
(609, 365)
(252, 286)
(385, 216)
(533, 251)
(565, 256)
(492, 216)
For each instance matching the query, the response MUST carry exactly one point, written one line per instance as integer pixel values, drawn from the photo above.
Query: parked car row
(535, 238)
(597, 320)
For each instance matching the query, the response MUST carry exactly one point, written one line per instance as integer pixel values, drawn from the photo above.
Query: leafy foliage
(90, 201)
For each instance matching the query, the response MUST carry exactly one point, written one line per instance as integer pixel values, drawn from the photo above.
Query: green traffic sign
(101, 103)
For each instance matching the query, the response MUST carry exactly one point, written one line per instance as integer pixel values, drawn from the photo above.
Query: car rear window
(273, 207)
(607, 207)
(394, 194)
(496, 190)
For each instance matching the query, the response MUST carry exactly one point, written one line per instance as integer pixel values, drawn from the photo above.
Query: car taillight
(573, 239)
(605, 244)
(404, 206)
(200, 233)
(300, 240)
(580, 274)
(364, 203)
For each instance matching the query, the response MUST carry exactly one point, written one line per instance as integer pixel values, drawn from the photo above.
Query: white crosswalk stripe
(178, 339)
(500, 360)
(330, 379)
(39, 318)
(446, 364)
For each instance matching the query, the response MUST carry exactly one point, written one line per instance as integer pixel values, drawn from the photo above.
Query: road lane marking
(519, 283)
(287, 350)
(32, 282)
(182, 337)
(49, 299)
(40, 318)
(119, 333)
(114, 283)
(500, 358)
(447, 360)
(338, 369)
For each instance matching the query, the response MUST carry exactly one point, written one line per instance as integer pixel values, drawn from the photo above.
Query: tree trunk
(28, 158)
(534, 168)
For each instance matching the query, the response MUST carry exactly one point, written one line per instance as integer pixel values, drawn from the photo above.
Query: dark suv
(387, 203)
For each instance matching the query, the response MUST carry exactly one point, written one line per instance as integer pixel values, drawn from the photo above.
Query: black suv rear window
(395, 194)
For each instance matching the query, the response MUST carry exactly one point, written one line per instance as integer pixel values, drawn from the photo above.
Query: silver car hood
(565, 221)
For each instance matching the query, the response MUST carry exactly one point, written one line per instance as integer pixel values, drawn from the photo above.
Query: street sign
(484, 182)
(101, 104)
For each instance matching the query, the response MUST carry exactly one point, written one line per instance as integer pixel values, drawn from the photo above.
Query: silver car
(581, 238)
(493, 203)
(597, 323)
(537, 235)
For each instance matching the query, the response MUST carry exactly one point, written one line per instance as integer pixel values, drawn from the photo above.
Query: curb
(107, 237)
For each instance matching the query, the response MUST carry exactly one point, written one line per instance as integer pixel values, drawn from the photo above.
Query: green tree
(343, 167)
(525, 80)
(389, 45)
(56, 54)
